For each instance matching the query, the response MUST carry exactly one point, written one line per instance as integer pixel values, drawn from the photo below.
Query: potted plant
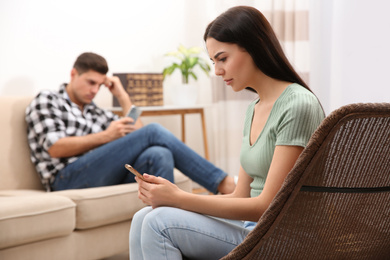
(187, 60)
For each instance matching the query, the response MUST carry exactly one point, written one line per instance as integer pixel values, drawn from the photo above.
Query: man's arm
(76, 145)
(116, 88)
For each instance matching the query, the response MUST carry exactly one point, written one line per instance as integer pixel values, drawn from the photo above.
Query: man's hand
(115, 86)
(120, 128)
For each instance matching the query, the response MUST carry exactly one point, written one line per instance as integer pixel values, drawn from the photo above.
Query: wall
(350, 51)
(39, 41)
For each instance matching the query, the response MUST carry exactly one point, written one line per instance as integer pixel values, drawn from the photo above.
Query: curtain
(289, 19)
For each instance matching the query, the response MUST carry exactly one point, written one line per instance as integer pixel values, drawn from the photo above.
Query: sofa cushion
(111, 204)
(24, 219)
(103, 205)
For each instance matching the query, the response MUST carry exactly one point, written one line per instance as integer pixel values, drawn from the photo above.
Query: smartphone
(134, 113)
(134, 171)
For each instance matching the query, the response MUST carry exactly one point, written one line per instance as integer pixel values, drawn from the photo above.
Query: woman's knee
(159, 218)
(136, 226)
(139, 216)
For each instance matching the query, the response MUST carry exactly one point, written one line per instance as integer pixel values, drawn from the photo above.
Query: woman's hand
(157, 191)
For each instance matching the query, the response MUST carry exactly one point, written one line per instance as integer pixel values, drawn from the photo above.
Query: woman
(278, 125)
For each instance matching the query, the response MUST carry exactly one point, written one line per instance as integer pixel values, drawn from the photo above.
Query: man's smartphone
(134, 171)
(134, 113)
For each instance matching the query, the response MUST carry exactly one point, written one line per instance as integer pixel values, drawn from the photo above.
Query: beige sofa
(74, 224)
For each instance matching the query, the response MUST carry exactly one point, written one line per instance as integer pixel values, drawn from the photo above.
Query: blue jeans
(151, 149)
(171, 233)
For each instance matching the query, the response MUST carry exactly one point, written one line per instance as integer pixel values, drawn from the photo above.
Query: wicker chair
(335, 202)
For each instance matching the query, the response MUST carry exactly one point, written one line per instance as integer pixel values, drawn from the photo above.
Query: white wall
(350, 51)
(39, 41)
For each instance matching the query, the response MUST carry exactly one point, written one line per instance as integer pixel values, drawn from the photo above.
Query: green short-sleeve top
(293, 118)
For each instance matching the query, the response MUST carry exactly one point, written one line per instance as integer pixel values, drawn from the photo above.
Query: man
(75, 144)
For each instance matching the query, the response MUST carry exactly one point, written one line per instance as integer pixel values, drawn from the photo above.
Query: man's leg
(155, 160)
(111, 158)
(105, 166)
(186, 160)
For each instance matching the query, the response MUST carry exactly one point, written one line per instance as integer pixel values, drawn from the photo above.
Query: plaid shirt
(51, 116)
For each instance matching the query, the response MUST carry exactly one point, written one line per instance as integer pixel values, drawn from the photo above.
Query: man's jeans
(151, 149)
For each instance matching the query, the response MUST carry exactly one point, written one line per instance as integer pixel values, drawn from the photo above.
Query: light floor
(123, 256)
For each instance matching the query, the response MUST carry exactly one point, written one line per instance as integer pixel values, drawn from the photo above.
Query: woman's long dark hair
(248, 28)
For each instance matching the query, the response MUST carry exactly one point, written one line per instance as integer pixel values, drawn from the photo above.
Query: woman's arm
(163, 193)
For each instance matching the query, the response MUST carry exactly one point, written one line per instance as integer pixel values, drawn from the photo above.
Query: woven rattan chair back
(335, 202)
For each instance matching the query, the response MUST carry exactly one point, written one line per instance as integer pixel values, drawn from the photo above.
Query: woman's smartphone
(134, 113)
(134, 171)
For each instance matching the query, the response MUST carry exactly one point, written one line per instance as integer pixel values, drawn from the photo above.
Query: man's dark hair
(91, 61)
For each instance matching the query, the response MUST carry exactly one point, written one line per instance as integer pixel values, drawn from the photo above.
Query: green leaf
(193, 75)
(169, 70)
(189, 59)
(192, 61)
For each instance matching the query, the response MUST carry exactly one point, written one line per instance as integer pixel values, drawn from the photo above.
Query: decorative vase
(185, 95)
